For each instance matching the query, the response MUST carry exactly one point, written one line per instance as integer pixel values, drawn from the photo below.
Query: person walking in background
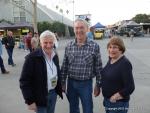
(40, 77)
(56, 35)
(24, 41)
(35, 41)
(90, 34)
(28, 41)
(131, 33)
(9, 42)
(117, 79)
(3, 70)
(82, 62)
(56, 41)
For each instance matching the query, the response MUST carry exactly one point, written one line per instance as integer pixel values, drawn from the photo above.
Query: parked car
(98, 34)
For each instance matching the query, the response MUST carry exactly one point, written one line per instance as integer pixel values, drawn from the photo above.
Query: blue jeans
(2, 65)
(83, 90)
(52, 96)
(41, 109)
(10, 52)
(117, 107)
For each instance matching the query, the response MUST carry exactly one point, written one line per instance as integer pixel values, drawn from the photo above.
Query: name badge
(53, 81)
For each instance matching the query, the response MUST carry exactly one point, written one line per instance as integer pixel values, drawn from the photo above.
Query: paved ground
(138, 52)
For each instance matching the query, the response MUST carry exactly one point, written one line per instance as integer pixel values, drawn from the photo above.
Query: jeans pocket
(117, 106)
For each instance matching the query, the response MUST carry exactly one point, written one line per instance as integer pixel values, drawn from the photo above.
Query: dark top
(117, 77)
(33, 80)
(9, 42)
(28, 41)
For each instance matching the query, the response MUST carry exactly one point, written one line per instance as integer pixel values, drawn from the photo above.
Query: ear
(40, 43)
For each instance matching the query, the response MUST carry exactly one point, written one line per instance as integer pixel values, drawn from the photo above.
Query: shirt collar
(86, 42)
(52, 55)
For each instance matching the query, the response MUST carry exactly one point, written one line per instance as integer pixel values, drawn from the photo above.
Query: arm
(97, 66)
(128, 83)
(97, 70)
(26, 81)
(58, 86)
(64, 70)
(4, 40)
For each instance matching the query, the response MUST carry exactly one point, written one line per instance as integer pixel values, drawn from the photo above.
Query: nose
(47, 44)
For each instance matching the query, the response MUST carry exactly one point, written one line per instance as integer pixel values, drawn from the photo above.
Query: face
(113, 51)
(36, 35)
(30, 34)
(80, 30)
(47, 44)
(10, 33)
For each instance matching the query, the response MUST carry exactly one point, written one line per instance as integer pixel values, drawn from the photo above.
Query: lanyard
(50, 65)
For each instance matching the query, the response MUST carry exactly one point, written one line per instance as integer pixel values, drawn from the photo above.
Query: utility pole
(35, 15)
(73, 11)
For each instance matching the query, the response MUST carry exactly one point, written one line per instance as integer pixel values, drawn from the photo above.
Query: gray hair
(82, 20)
(48, 34)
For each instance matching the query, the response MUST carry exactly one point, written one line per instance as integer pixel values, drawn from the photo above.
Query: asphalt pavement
(138, 52)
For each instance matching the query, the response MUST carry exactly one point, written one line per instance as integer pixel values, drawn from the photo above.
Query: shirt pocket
(70, 58)
(88, 59)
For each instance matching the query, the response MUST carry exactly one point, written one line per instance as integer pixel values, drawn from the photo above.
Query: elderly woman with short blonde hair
(40, 81)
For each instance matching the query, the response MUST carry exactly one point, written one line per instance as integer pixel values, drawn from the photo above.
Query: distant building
(146, 27)
(13, 11)
(20, 13)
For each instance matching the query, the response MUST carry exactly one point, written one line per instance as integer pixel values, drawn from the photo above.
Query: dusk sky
(104, 11)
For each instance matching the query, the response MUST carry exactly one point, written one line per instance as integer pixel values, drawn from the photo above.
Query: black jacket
(9, 42)
(33, 80)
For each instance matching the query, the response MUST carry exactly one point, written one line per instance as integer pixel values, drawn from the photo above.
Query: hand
(32, 107)
(96, 91)
(64, 88)
(115, 97)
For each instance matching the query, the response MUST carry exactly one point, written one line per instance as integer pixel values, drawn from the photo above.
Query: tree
(71, 31)
(55, 26)
(141, 18)
(59, 27)
(42, 26)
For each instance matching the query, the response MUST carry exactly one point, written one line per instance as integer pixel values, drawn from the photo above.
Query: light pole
(35, 16)
(73, 11)
(61, 11)
(73, 4)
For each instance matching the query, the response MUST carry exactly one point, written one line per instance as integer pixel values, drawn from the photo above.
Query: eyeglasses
(113, 47)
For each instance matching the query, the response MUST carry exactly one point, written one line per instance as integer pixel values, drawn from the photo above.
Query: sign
(86, 17)
(25, 30)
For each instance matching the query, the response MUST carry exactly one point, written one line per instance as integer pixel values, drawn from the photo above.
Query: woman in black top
(117, 79)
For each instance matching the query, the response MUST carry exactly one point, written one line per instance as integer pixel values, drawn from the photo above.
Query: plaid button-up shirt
(82, 63)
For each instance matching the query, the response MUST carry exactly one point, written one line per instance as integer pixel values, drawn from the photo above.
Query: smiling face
(115, 47)
(114, 51)
(80, 29)
(47, 44)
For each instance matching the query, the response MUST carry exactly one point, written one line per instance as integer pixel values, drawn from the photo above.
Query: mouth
(112, 54)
